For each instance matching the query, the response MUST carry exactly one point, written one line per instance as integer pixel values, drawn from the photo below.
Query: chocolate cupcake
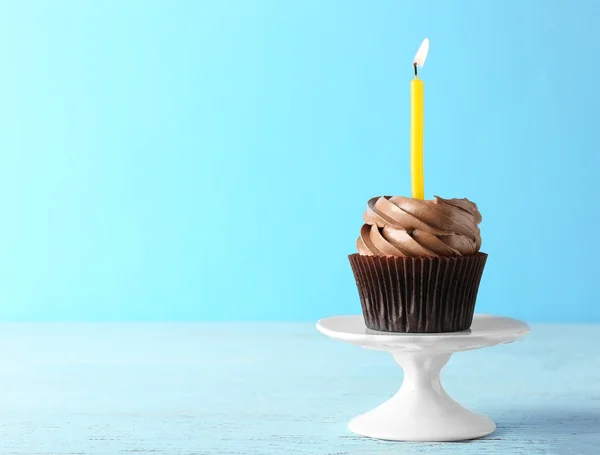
(418, 265)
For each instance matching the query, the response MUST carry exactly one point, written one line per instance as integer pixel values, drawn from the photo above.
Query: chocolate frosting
(406, 227)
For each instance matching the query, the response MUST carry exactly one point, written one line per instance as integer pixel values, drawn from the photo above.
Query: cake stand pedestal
(421, 410)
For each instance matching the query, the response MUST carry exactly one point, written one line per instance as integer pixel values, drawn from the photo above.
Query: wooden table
(275, 388)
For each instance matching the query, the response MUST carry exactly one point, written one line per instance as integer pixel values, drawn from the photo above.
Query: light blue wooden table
(275, 389)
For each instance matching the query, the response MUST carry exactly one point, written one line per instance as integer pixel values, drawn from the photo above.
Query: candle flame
(421, 54)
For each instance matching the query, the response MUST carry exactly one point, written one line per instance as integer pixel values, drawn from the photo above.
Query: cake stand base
(421, 410)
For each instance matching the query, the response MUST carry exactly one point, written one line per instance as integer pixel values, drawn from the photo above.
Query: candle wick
(415, 65)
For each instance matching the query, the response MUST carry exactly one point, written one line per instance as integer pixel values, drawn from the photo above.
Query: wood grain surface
(275, 388)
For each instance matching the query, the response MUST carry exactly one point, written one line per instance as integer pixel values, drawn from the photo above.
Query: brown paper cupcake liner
(418, 295)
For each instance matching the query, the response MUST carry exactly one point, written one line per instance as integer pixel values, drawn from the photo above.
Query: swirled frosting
(406, 227)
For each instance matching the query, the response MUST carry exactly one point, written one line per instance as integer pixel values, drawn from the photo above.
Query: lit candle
(416, 125)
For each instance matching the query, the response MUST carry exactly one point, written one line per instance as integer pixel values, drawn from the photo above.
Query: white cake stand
(421, 410)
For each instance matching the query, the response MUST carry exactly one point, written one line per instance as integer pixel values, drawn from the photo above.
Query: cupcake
(418, 265)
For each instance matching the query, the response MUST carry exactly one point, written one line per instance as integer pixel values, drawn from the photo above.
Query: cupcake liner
(418, 295)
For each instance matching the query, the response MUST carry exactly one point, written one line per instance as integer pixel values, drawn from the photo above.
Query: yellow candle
(416, 125)
(416, 138)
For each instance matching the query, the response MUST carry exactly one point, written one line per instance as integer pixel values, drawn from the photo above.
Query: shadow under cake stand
(421, 410)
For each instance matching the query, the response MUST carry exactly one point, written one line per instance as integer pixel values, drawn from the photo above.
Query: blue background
(210, 160)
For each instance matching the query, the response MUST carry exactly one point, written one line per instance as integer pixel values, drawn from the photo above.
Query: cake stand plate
(421, 410)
